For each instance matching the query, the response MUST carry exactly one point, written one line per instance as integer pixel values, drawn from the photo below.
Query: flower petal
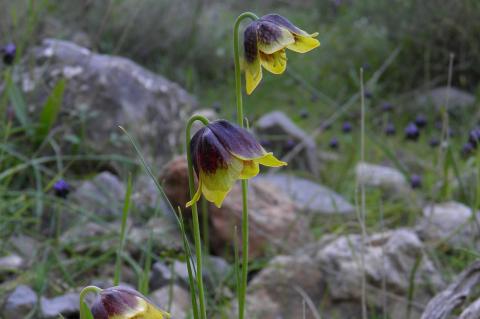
(208, 153)
(284, 22)
(236, 140)
(275, 63)
(269, 160)
(197, 195)
(250, 169)
(253, 70)
(216, 197)
(272, 37)
(303, 44)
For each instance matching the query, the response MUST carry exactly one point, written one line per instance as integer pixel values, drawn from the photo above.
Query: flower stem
(85, 291)
(196, 224)
(238, 93)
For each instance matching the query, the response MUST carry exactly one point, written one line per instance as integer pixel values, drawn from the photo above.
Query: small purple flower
(289, 145)
(415, 181)
(304, 113)
(434, 142)
(467, 149)
(368, 94)
(387, 107)
(9, 52)
(61, 188)
(390, 129)
(333, 143)
(346, 127)
(421, 121)
(412, 132)
(474, 136)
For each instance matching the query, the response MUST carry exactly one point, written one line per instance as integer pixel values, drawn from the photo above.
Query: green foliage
(50, 111)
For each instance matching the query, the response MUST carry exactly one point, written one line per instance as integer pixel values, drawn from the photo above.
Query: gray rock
(283, 134)
(160, 276)
(449, 222)
(173, 299)
(91, 236)
(66, 305)
(103, 195)
(108, 91)
(382, 177)
(146, 198)
(309, 196)
(163, 231)
(438, 97)
(389, 259)
(25, 246)
(11, 263)
(279, 290)
(19, 303)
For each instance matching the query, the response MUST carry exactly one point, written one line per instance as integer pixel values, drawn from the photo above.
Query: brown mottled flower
(125, 303)
(221, 154)
(265, 41)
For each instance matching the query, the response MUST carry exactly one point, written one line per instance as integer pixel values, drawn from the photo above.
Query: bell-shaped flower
(223, 153)
(125, 303)
(265, 41)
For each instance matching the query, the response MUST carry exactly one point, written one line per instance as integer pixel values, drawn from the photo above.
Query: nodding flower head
(346, 127)
(390, 129)
(420, 121)
(9, 52)
(61, 188)
(222, 153)
(265, 41)
(125, 303)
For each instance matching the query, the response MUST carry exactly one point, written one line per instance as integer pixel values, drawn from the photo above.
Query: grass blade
(50, 111)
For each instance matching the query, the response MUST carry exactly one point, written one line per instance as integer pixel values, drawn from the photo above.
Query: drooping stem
(238, 93)
(196, 224)
(85, 291)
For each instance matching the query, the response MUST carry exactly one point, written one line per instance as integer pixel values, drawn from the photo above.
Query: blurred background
(73, 71)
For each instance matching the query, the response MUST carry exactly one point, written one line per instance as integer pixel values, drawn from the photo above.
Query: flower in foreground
(223, 153)
(125, 303)
(265, 41)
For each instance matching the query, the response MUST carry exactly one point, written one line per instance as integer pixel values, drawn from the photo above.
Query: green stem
(238, 93)
(85, 291)
(196, 224)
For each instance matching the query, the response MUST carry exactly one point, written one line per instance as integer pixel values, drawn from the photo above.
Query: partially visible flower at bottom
(125, 303)
(223, 153)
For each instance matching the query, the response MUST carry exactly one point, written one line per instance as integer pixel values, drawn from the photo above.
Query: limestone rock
(19, 303)
(382, 177)
(178, 305)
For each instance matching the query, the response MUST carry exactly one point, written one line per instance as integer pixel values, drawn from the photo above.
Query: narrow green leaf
(18, 103)
(50, 110)
(85, 312)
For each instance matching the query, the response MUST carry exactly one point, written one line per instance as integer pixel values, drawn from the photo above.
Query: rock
(278, 290)
(66, 305)
(163, 232)
(146, 198)
(103, 196)
(11, 263)
(389, 259)
(110, 91)
(160, 276)
(175, 299)
(449, 222)
(19, 303)
(274, 222)
(309, 196)
(91, 236)
(25, 246)
(281, 135)
(438, 97)
(383, 177)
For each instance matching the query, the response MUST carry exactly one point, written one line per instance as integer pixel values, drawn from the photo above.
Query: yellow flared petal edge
(154, 313)
(304, 44)
(285, 38)
(267, 159)
(253, 75)
(216, 197)
(197, 195)
(250, 169)
(275, 63)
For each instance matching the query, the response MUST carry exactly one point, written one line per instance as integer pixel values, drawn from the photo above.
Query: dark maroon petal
(236, 140)
(268, 32)
(116, 300)
(281, 21)
(208, 153)
(250, 42)
(98, 311)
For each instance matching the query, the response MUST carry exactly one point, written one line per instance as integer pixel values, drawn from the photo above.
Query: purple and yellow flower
(265, 41)
(223, 153)
(125, 303)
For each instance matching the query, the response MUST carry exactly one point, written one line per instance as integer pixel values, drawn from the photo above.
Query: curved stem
(238, 93)
(85, 291)
(196, 224)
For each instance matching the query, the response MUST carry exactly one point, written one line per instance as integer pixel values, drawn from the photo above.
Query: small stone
(160, 276)
(175, 300)
(11, 263)
(66, 305)
(19, 303)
